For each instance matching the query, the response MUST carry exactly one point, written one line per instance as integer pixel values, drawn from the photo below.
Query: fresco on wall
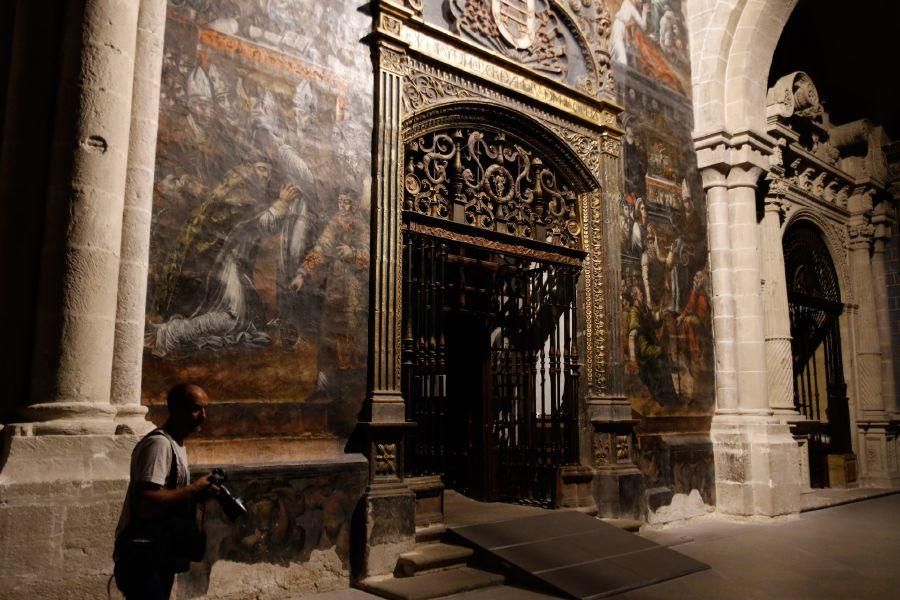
(666, 297)
(650, 36)
(259, 252)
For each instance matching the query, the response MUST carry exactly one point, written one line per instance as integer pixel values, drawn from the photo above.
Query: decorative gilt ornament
(491, 181)
(516, 21)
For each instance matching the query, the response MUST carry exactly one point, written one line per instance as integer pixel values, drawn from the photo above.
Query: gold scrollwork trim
(595, 317)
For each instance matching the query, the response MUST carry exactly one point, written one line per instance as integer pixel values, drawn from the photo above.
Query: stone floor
(848, 551)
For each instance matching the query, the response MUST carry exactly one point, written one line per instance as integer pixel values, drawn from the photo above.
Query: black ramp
(577, 555)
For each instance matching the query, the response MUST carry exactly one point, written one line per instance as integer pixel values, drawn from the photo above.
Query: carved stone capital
(714, 177)
(744, 175)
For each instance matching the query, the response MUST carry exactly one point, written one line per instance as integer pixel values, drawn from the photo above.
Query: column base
(756, 462)
(67, 418)
(132, 419)
(385, 529)
(618, 492)
(879, 446)
(60, 498)
(573, 488)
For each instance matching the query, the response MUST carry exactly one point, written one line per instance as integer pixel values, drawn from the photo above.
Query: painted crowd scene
(666, 292)
(260, 242)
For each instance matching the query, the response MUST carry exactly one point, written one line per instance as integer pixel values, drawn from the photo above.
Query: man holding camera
(158, 534)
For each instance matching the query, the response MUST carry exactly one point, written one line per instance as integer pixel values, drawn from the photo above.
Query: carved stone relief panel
(565, 40)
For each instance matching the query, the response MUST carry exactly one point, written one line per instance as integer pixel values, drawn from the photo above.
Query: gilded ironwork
(490, 180)
(514, 249)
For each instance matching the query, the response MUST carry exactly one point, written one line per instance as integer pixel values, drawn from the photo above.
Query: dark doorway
(490, 368)
(820, 392)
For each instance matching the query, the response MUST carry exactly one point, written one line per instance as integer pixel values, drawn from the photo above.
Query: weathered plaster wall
(295, 538)
(258, 283)
(667, 320)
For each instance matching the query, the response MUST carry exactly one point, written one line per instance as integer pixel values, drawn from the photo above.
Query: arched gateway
(495, 356)
(820, 392)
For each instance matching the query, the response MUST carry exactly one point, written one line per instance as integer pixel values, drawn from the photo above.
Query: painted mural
(667, 306)
(650, 36)
(666, 295)
(258, 284)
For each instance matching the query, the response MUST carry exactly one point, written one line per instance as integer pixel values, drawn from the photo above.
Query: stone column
(714, 182)
(135, 248)
(868, 346)
(618, 485)
(748, 308)
(389, 504)
(72, 361)
(779, 358)
(883, 229)
(755, 456)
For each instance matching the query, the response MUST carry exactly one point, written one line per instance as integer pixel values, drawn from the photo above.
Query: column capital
(744, 175)
(715, 176)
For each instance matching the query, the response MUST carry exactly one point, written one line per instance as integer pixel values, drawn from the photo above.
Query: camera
(231, 505)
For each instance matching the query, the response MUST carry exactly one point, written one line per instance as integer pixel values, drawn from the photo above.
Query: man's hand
(297, 282)
(203, 489)
(288, 193)
(344, 251)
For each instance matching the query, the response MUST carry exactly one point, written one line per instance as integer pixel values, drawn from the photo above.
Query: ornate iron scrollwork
(491, 181)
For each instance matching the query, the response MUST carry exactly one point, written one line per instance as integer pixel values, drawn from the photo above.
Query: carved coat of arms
(516, 21)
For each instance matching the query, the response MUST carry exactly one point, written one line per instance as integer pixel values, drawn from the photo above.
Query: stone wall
(667, 320)
(295, 536)
(258, 282)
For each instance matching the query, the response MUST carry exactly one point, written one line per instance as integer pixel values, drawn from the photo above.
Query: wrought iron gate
(490, 368)
(820, 392)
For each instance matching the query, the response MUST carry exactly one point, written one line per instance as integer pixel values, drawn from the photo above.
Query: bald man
(160, 500)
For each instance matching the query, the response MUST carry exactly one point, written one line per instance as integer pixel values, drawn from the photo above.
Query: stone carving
(623, 448)
(586, 147)
(595, 22)
(611, 146)
(601, 448)
(516, 21)
(422, 90)
(497, 183)
(385, 460)
(566, 40)
(390, 24)
(540, 45)
(392, 61)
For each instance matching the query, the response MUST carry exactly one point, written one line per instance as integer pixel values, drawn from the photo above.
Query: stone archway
(732, 45)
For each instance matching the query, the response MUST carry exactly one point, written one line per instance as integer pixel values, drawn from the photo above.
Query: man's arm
(157, 494)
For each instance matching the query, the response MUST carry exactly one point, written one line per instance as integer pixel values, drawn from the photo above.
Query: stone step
(431, 557)
(430, 533)
(431, 585)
